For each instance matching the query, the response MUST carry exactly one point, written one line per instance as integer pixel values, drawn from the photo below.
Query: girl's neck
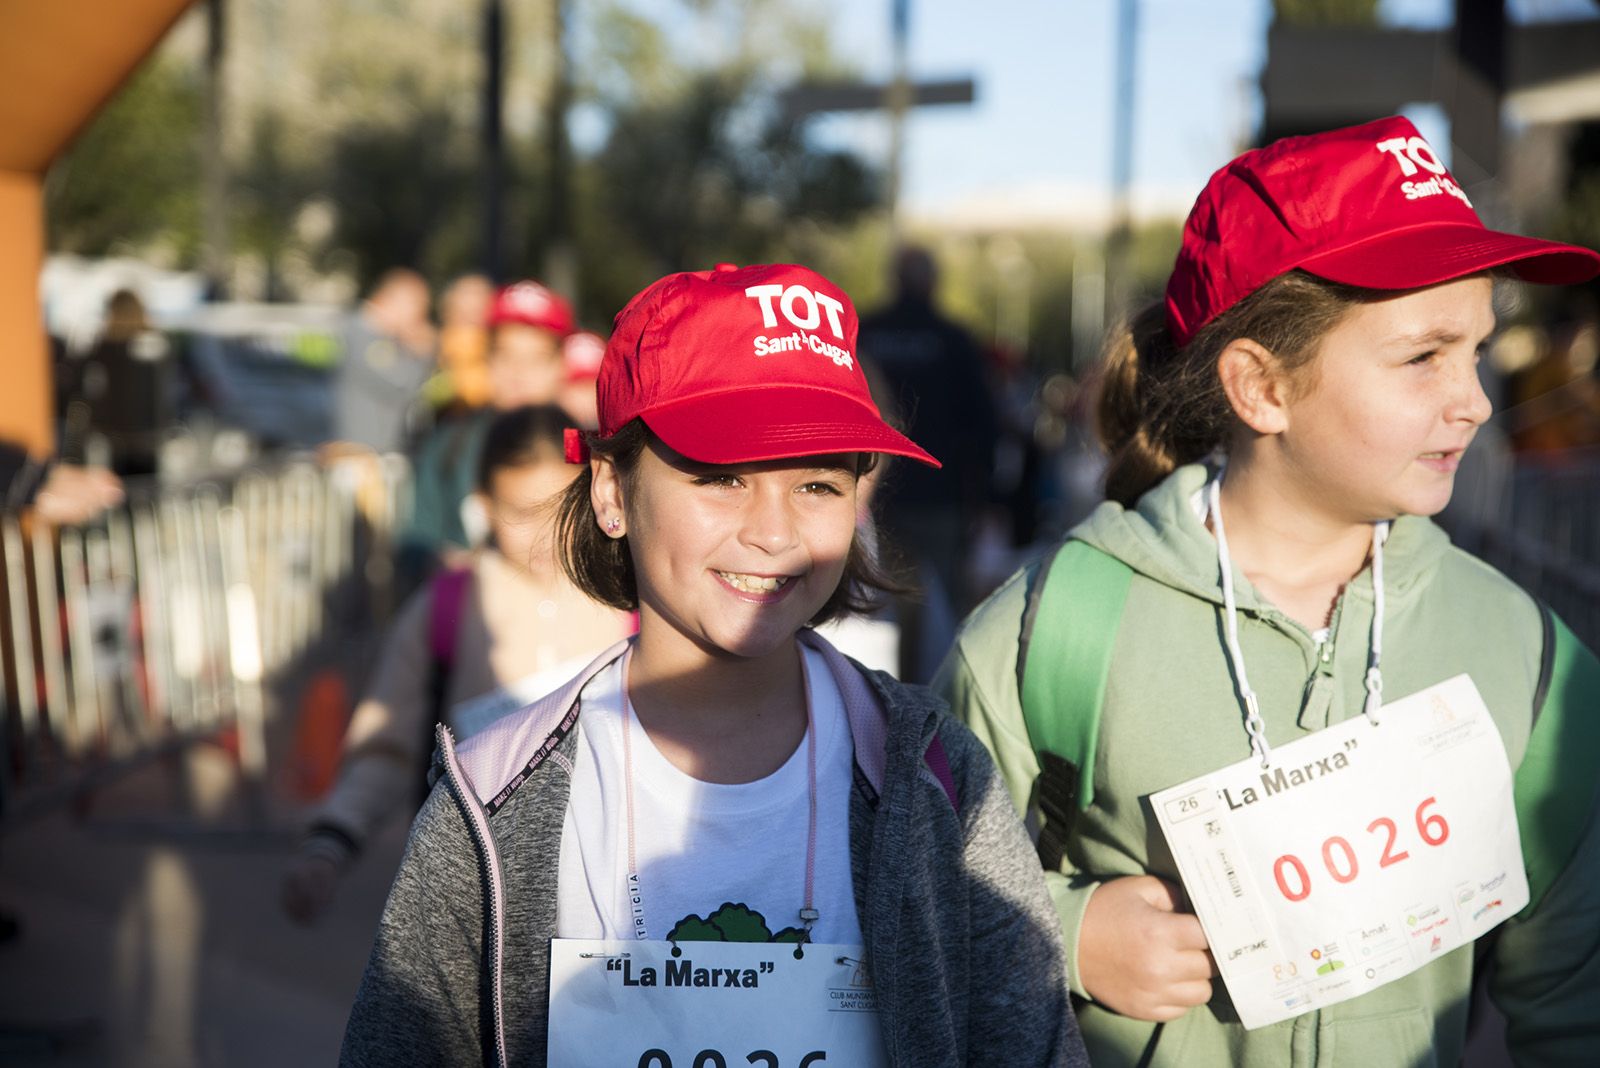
(1293, 552)
(717, 717)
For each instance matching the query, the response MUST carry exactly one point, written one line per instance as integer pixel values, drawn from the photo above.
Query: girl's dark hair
(602, 567)
(521, 436)
(1162, 406)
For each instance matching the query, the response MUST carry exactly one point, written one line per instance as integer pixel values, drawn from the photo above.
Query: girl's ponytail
(1139, 456)
(1161, 406)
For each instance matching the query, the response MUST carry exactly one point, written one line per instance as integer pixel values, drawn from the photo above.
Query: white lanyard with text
(808, 912)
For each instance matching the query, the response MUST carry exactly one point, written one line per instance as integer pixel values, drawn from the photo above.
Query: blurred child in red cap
(480, 639)
(726, 777)
(581, 353)
(1312, 377)
(527, 326)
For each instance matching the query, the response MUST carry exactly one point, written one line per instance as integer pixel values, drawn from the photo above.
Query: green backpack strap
(1554, 786)
(1068, 632)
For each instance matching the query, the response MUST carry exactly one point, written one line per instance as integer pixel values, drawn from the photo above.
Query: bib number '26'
(1361, 853)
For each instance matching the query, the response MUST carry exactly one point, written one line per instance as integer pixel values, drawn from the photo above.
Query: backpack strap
(1073, 614)
(1554, 785)
(447, 592)
(938, 763)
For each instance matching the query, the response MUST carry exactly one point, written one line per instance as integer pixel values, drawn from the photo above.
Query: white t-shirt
(729, 855)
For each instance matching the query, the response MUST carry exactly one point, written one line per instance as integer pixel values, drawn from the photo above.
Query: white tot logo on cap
(787, 301)
(1412, 153)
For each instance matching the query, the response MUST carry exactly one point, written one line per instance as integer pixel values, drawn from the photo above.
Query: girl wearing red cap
(477, 641)
(1272, 723)
(722, 842)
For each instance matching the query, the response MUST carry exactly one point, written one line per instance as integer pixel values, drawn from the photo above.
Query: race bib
(1357, 856)
(711, 1005)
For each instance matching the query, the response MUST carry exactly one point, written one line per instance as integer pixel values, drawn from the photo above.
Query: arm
(1547, 958)
(382, 768)
(420, 998)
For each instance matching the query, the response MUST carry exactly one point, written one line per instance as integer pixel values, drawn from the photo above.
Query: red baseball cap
(1368, 206)
(531, 304)
(741, 364)
(582, 352)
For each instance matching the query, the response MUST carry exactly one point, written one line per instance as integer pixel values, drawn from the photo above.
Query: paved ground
(151, 933)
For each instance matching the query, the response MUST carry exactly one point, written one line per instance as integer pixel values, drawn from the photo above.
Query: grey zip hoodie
(963, 941)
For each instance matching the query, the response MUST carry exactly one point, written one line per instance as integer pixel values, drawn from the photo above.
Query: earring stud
(613, 525)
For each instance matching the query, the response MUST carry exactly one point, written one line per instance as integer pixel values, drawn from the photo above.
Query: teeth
(753, 583)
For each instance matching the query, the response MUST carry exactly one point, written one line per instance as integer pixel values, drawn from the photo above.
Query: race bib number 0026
(638, 1004)
(1357, 856)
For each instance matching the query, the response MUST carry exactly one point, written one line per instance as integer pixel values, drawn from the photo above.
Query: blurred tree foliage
(1578, 220)
(1326, 12)
(132, 176)
(353, 144)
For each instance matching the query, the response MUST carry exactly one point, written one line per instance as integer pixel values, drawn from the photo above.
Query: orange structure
(59, 63)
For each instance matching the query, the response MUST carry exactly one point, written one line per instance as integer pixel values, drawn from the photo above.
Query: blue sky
(1045, 81)
(1037, 142)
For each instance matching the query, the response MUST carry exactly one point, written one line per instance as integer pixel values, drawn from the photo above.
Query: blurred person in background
(479, 641)
(464, 344)
(126, 384)
(933, 380)
(526, 324)
(1555, 402)
(388, 355)
(581, 353)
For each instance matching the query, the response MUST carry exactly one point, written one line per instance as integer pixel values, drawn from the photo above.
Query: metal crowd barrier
(165, 621)
(1544, 532)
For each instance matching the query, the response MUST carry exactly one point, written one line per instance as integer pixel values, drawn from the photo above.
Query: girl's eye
(827, 488)
(723, 481)
(1423, 357)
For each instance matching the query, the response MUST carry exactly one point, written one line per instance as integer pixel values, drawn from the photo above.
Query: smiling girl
(1263, 579)
(725, 777)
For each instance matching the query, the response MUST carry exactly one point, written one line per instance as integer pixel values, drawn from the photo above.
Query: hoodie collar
(1165, 539)
(492, 759)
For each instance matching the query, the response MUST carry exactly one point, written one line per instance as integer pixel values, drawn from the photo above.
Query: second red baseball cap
(1370, 206)
(531, 304)
(742, 364)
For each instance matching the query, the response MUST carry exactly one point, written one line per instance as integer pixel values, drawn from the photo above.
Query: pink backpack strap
(939, 764)
(446, 594)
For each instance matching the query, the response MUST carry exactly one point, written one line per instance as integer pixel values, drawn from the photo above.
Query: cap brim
(775, 423)
(1430, 253)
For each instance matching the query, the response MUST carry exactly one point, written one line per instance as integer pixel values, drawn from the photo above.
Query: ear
(1256, 386)
(606, 496)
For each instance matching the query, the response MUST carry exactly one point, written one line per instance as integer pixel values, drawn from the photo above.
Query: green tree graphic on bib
(731, 923)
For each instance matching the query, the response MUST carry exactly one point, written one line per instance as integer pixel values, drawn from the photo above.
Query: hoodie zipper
(478, 825)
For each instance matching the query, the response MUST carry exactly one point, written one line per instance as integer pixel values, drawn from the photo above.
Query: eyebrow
(696, 467)
(1440, 336)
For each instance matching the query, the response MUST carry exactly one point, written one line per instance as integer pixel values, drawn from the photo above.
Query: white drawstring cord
(1230, 608)
(1253, 722)
(1374, 679)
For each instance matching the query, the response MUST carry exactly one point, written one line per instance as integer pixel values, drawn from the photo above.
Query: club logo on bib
(731, 923)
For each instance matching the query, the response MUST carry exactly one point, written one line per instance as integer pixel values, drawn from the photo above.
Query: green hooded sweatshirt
(1170, 712)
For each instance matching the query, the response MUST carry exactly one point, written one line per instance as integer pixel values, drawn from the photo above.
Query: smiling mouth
(754, 583)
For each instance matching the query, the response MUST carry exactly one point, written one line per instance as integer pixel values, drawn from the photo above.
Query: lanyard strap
(1373, 682)
(808, 912)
